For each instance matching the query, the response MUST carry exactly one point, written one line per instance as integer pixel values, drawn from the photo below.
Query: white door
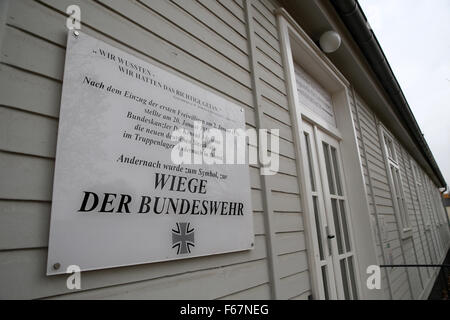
(329, 210)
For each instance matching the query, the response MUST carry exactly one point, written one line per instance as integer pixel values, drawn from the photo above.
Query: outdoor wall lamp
(330, 41)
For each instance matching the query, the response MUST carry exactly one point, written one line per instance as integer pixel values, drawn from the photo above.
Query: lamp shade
(330, 41)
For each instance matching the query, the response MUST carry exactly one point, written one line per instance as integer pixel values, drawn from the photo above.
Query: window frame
(432, 199)
(395, 182)
(420, 189)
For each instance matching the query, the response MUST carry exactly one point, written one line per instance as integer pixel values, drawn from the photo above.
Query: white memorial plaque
(118, 198)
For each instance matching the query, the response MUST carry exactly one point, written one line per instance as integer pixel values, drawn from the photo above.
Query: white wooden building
(357, 184)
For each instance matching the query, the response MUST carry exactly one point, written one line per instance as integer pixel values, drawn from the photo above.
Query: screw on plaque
(242, 109)
(76, 33)
(56, 266)
(252, 244)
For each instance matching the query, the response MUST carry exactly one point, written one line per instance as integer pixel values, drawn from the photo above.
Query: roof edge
(356, 22)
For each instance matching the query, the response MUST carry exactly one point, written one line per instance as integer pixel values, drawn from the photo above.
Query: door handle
(329, 237)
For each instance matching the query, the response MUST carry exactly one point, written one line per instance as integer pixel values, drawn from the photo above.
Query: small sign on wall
(118, 197)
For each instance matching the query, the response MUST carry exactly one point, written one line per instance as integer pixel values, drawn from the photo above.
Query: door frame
(314, 177)
(323, 137)
(296, 43)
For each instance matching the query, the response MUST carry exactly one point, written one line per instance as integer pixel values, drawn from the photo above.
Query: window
(395, 181)
(439, 206)
(389, 145)
(420, 193)
(434, 209)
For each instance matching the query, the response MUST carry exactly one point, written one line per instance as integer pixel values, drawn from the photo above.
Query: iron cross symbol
(183, 237)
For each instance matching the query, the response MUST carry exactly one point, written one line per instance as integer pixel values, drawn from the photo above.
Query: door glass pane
(352, 277)
(336, 225)
(319, 234)
(336, 171)
(344, 225)
(310, 164)
(328, 165)
(344, 279)
(325, 282)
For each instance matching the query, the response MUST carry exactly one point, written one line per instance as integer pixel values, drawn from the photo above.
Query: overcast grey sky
(415, 37)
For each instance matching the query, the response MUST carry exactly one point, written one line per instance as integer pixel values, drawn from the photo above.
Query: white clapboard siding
(202, 41)
(233, 8)
(23, 271)
(206, 42)
(304, 296)
(294, 284)
(292, 263)
(265, 18)
(27, 15)
(375, 178)
(409, 246)
(27, 177)
(24, 224)
(42, 94)
(287, 242)
(418, 234)
(27, 52)
(288, 222)
(286, 215)
(209, 68)
(260, 292)
(29, 133)
(273, 66)
(232, 17)
(422, 246)
(209, 284)
(271, 42)
(175, 25)
(267, 50)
